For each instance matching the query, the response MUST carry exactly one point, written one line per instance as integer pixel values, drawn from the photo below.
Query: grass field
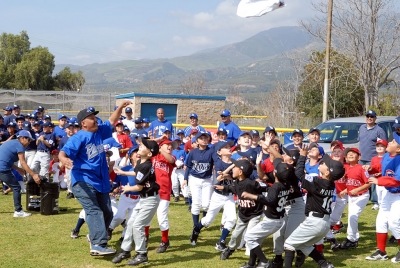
(44, 241)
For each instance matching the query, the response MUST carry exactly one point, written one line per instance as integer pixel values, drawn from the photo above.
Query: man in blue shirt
(84, 155)
(138, 131)
(157, 127)
(10, 152)
(232, 130)
(194, 124)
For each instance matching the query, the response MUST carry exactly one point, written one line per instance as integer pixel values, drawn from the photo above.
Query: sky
(99, 31)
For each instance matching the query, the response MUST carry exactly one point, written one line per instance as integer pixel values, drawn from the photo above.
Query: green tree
(346, 95)
(66, 80)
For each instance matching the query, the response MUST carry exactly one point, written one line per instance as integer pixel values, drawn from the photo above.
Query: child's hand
(304, 150)
(259, 158)
(249, 196)
(219, 187)
(366, 167)
(373, 180)
(354, 192)
(118, 171)
(267, 138)
(342, 193)
(125, 188)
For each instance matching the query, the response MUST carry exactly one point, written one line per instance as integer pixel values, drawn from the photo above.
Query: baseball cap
(314, 129)
(28, 115)
(194, 131)
(119, 122)
(244, 133)
(337, 143)
(67, 125)
(180, 131)
(250, 154)
(353, 150)
(396, 122)
(383, 142)
(109, 153)
(20, 117)
(320, 149)
(151, 145)
(199, 134)
(134, 148)
(62, 116)
(167, 129)
(34, 116)
(254, 133)
(8, 108)
(12, 124)
(115, 108)
(138, 120)
(40, 108)
(36, 123)
(91, 108)
(15, 106)
(193, 115)
(244, 165)
(270, 128)
(336, 168)
(222, 131)
(371, 113)
(299, 131)
(294, 154)
(46, 124)
(24, 133)
(176, 138)
(55, 151)
(47, 117)
(283, 171)
(72, 120)
(128, 110)
(220, 144)
(164, 142)
(27, 126)
(85, 113)
(146, 120)
(126, 128)
(225, 113)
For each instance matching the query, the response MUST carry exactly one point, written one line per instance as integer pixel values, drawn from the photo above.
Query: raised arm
(117, 113)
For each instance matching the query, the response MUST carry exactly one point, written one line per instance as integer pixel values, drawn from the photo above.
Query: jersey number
(327, 203)
(281, 203)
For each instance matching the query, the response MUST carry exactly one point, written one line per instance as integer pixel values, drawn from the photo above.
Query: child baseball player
(178, 174)
(274, 210)
(320, 192)
(220, 198)
(357, 186)
(249, 211)
(388, 214)
(148, 188)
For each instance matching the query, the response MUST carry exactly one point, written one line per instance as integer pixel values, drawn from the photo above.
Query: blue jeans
(98, 211)
(9, 178)
(372, 190)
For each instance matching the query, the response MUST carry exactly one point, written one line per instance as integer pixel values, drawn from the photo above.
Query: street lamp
(327, 59)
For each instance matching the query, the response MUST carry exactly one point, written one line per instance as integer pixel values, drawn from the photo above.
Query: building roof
(169, 96)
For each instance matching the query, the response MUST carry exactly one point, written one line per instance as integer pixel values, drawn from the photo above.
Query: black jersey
(319, 191)
(274, 202)
(146, 177)
(248, 209)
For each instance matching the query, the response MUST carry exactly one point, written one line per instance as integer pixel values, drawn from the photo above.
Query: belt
(290, 202)
(132, 196)
(148, 194)
(43, 151)
(318, 214)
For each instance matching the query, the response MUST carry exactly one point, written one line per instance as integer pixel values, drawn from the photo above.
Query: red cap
(119, 122)
(194, 131)
(188, 146)
(383, 142)
(337, 143)
(164, 142)
(55, 151)
(354, 150)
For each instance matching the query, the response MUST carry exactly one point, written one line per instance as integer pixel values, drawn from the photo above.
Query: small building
(176, 107)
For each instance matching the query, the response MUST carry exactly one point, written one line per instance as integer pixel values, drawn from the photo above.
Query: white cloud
(130, 46)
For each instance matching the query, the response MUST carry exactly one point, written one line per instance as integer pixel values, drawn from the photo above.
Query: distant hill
(255, 61)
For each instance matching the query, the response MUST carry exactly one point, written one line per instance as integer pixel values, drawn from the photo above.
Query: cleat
(375, 207)
(220, 246)
(226, 253)
(347, 244)
(246, 265)
(392, 240)
(300, 259)
(163, 247)
(377, 256)
(334, 243)
(264, 264)
(138, 259)
(194, 237)
(74, 234)
(326, 264)
(176, 199)
(121, 256)
(277, 264)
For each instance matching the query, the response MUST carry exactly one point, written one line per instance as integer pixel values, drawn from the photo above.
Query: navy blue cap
(24, 133)
(40, 108)
(249, 154)
(34, 116)
(371, 113)
(270, 128)
(180, 131)
(193, 115)
(126, 128)
(15, 106)
(225, 113)
(254, 133)
(67, 125)
(320, 149)
(35, 123)
(396, 122)
(46, 124)
(12, 124)
(47, 117)
(314, 129)
(146, 120)
(133, 149)
(27, 126)
(244, 133)
(299, 131)
(20, 117)
(8, 108)
(62, 116)
(28, 115)
(167, 129)
(220, 144)
(199, 134)
(138, 120)
(222, 131)
(128, 110)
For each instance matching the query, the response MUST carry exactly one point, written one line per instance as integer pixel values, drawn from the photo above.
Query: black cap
(294, 154)
(244, 165)
(85, 113)
(336, 168)
(283, 171)
(151, 145)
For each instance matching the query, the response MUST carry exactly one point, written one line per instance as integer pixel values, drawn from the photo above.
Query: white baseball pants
(124, 210)
(217, 202)
(388, 217)
(177, 178)
(355, 207)
(201, 190)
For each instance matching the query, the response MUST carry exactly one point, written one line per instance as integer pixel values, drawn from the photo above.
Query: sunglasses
(222, 116)
(370, 116)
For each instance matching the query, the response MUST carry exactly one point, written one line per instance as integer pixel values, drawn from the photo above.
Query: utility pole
(327, 59)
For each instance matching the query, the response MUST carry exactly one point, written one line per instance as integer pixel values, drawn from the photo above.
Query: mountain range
(254, 63)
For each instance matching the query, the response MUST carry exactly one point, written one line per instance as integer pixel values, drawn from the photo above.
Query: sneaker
(163, 247)
(246, 265)
(70, 195)
(176, 199)
(138, 259)
(220, 246)
(121, 256)
(109, 233)
(226, 253)
(21, 214)
(326, 264)
(194, 237)
(97, 250)
(74, 234)
(277, 264)
(392, 240)
(300, 259)
(334, 243)
(375, 207)
(347, 244)
(377, 256)
(396, 259)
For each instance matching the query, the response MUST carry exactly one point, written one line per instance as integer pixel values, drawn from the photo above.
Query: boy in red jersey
(357, 186)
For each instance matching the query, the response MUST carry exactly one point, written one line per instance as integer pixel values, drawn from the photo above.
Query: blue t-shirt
(391, 168)
(312, 170)
(140, 132)
(17, 176)
(157, 128)
(86, 150)
(124, 180)
(50, 138)
(179, 155)
(9, 154)
(232, 129)
(188, 129)
(59, 132)
(62, 142)
(221, 166)
(9, 118)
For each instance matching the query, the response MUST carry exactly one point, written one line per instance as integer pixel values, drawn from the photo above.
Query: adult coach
(158, 127)
(10, 152)
(232, 130)
(368, 134)
(84, 155)
(194, 124)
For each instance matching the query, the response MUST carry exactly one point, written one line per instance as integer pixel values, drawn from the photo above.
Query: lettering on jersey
(283, 193)
(200, 167)
(390, 173)
(92, 150)
(310, 177)
(353, 182)
(327, 192)
(247, 203)
(162, 166)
